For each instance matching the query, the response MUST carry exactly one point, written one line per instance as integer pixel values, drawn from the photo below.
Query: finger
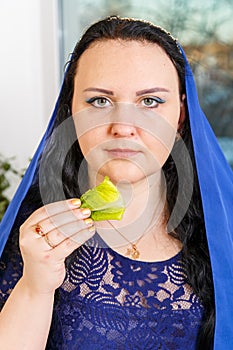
(60, 220)
(66, 247)
(57, 235)
(52, 209)
(50, 241)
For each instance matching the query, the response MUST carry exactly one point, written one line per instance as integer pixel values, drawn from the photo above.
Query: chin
(127, 174)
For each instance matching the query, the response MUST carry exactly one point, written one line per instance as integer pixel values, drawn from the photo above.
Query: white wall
(29, 78)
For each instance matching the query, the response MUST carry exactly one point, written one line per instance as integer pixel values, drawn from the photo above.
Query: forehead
(134, 61)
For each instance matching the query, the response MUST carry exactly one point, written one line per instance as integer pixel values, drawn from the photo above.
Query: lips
(122, 152)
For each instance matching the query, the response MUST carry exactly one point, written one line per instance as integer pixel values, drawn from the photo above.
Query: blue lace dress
(108, 301)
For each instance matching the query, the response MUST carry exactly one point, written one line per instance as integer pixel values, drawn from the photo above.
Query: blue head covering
(216, 185)
(215, 180)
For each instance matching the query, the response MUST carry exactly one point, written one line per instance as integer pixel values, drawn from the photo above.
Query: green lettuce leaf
(104, 201)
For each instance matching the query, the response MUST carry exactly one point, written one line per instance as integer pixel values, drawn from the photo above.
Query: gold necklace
(133, 252)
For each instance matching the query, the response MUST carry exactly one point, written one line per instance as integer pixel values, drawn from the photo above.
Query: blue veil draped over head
(215, 179)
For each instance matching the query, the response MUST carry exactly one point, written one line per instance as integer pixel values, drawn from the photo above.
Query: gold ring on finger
(47, 240)
(38, 229)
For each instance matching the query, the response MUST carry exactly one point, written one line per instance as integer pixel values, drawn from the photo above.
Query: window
(203, 28)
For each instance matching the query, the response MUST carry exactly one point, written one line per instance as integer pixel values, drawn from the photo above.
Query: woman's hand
(47, 237)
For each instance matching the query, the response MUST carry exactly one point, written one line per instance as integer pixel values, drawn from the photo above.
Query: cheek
(172, 112)
(87, 142)
(88, 134)
(160, 124)
(92, 141)
(159, 146)
(92, 144)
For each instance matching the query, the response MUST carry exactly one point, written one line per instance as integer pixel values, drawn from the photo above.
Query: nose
(123, 130)
(122, 120)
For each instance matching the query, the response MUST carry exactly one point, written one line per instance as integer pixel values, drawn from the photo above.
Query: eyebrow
(149, 91)
(107, 92)
(138, 93)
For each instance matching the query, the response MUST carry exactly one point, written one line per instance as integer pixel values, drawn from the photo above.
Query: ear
(182, 113)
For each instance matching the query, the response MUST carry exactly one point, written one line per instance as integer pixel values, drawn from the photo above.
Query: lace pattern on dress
(108, 301)
(11, 267)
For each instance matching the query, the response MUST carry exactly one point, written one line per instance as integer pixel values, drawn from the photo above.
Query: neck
(139, 197)
(142, 199)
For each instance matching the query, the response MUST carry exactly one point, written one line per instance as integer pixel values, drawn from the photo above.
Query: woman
(128, 110)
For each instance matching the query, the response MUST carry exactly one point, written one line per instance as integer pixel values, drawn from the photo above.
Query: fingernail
(91, 229)
(75, 201)
(88, 221)
(86, 211)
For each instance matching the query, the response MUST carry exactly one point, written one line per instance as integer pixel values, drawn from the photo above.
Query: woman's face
(126, 108)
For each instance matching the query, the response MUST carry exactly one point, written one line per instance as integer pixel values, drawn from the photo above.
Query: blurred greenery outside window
(204, 29)
(8, 173)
